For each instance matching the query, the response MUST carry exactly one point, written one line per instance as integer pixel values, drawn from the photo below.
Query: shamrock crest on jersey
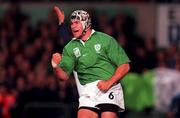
(97, 47)
(76, 52)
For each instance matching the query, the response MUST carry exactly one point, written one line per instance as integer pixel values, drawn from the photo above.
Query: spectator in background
(174, 109)
(173, 55)
(151, 53)
(135, 44)
(174, 28)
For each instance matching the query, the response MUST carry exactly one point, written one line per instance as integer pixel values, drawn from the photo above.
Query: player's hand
(60, 14)
(104, 85)
(55, 60)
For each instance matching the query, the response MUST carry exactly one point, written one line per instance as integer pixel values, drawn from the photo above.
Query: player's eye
(74, 22)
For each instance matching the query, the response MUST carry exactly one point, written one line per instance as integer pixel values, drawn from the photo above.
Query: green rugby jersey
(95, 59)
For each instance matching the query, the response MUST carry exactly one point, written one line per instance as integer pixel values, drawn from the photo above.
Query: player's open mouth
(75, 31)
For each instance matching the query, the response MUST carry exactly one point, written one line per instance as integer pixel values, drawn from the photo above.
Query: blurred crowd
(25, 72)
(26, 75)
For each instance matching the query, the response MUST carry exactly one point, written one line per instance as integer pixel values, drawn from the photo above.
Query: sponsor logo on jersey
(97, 47)
(77, 52)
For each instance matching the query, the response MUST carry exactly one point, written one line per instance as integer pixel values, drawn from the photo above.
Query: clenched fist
(55, 60)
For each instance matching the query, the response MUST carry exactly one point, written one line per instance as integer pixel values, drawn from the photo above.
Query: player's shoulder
(104, 36)
(71, 44)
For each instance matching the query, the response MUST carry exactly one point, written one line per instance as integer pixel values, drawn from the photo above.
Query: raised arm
(63, 30)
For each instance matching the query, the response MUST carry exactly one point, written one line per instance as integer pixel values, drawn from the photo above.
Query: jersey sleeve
(67, 62)
(64, 33)
(116, 53)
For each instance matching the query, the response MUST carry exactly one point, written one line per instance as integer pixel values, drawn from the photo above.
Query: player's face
(77, 28)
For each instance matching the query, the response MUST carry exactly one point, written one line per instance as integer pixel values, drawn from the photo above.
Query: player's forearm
(121, 71)
(61, 74)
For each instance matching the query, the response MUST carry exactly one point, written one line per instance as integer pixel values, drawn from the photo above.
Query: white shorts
(92, 97)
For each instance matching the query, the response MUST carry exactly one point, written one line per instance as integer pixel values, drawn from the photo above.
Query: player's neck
(86, 35)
